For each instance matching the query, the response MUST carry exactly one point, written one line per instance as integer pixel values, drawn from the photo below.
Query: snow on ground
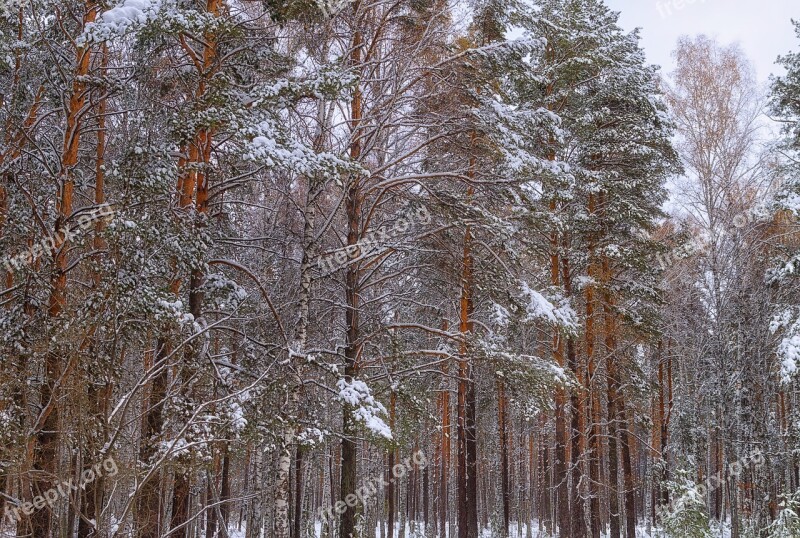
(517, 531)
(520, 531)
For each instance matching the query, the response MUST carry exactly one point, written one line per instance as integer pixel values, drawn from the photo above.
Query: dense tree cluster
(376, 268)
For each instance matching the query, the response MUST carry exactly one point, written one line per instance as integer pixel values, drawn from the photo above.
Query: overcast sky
(762, 27)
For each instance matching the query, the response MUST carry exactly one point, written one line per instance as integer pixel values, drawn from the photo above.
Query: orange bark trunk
(46, 457)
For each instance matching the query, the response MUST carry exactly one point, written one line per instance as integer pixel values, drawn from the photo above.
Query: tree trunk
(613, 465)
(225, 491)
(298, 492)
(282, 484)
(45, 452)
(148, 507)
(192, 186)
(467, 445)
(593, 400)
(92, 495)
(352, 294)
(613, 416)
(426, 498)
(444, 476)
(255, 516)
(562, 435)
(578, 426)
(657, 440)
(627, 469)
(391, 488)
(502, 410)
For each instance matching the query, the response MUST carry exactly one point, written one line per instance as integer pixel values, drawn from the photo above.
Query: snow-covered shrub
(787, 525)
(686, 517)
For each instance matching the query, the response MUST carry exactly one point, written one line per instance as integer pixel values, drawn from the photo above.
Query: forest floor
(516, 532)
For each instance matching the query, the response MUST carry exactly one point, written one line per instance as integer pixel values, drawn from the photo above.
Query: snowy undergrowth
(516, 531)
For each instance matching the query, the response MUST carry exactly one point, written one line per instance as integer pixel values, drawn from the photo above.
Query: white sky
(763, 28)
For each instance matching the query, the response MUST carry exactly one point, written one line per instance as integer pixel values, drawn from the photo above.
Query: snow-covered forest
(392, 269)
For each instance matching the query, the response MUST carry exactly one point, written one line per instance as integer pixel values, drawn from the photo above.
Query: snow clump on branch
(366, 408)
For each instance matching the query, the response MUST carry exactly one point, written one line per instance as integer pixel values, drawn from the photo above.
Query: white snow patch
(367, 409)
(540, 307)
(119, 20)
